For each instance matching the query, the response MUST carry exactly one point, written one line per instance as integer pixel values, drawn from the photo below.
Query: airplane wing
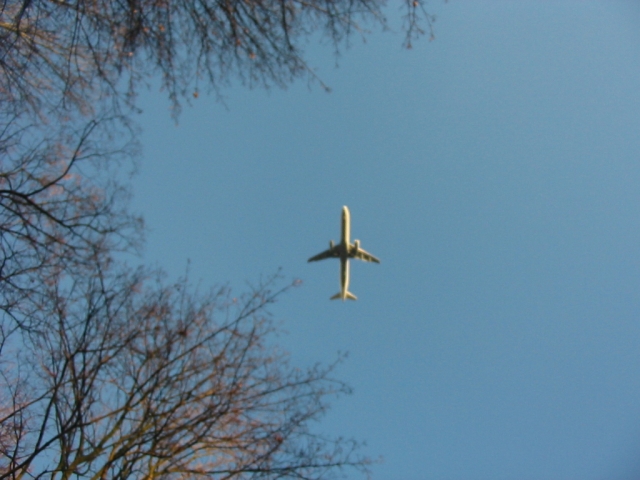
(360, 254)
(331, 253)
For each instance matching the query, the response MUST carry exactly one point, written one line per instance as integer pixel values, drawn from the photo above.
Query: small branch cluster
(57, 212)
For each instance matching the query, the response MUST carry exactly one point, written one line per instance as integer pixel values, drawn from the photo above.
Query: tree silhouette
(105, 371)
(58, 54)
(140, 381)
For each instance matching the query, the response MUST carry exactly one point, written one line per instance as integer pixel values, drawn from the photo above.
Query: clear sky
(496, 173)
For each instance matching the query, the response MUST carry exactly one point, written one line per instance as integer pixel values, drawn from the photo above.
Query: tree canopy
(108, 371)
(56, 55)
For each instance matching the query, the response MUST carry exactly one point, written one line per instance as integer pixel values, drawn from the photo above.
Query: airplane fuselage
(346, 229)
(344, 251)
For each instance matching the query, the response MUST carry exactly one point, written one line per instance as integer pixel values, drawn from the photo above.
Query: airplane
(344, 251)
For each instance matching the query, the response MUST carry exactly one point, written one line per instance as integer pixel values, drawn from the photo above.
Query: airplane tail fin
(349, 296)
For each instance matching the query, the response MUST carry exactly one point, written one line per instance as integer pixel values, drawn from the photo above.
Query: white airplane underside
(344, 251)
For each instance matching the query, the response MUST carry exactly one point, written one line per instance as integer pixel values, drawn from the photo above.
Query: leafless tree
(137, 380)
(58, 54)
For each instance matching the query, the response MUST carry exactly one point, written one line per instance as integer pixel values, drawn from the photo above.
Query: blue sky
(496, 173)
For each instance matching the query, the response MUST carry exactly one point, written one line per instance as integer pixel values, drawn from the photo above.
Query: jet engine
(356, 243)
(331, 244)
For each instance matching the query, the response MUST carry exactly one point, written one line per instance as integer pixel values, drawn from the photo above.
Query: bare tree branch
(56, 209)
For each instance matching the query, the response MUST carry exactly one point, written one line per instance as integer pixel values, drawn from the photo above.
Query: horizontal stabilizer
(348, 295)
